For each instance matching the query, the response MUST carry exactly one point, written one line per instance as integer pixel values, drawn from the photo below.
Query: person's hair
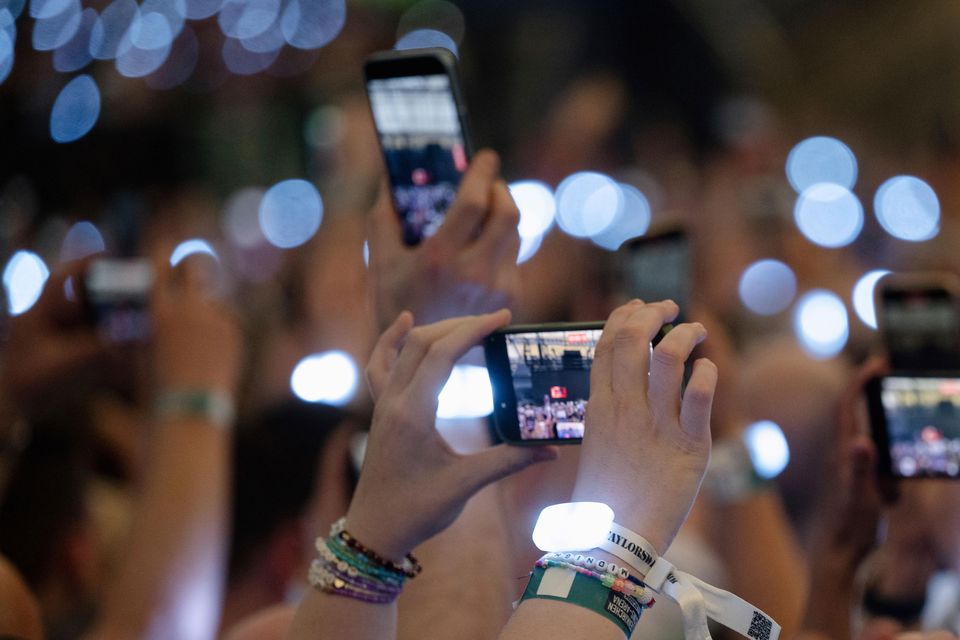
(276, 458)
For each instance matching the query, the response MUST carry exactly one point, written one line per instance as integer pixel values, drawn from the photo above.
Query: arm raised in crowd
(469, 266)
(412, 486)
(170, 583)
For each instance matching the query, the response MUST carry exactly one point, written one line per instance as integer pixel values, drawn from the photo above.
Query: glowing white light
(767, 287)
(821, 159)
(75, 110)
(632, 221)
(426, 38)
(247, 18)
(528, 248)
(150, 31)
(329, 377)
(829, 215)
(7, 49)
(50, 33)
(467, 393)
(174, 11)
(23, 280)
(191, 247)
(82, 240)
(107, 36)
(587, 203)
(44, 9)
(537, 206)
(267, 42)
(366, 253)
(135, 62)
(863, 297)
(74, 54)
(244, 62)
(200, 9)
(290, 213)
(820, 322)
(768, 448)
(240, 220)
(572, 526)
(311, 24)
(908, 208)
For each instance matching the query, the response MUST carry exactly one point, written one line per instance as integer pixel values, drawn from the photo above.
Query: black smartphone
(915, 420)
(117, 295)
(541, 380)
(919, 319)
(657, 267)
(421, 122)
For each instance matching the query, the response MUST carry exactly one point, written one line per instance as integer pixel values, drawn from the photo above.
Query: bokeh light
(191, 247)
(179, 65)
(537, 206)
(587, 203)
(267, 42)
(13, 7)
(7, 51)
(863, 297)
(908, 208)
(82, 240)
(243, 61)
(529, 246)
(820, 322)
(632, 221)
(767, 287)
(426, 38)
(74, 54)
(240, 220)
(290, 213)
(767, 447)
(311, 24)
(366, 253)
(466, 394)
(247, 18)
(829, 215)
(75, 110)
(44, 9)
(55, 31)
(107, 36)
(439, 15)
(330, 377)
(23, 281)
(201, 9)
(136, 62)
(821, 159)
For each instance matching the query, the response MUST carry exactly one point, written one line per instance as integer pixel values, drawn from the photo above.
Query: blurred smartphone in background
(421, 123)
(918, 315)
(915, 420)
(117, 295)
(657, 267)
(541, 380)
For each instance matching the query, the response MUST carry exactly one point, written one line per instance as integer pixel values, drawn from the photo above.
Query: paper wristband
(569, 586)
(697, 599)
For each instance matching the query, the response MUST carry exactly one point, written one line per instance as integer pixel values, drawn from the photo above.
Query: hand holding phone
(117, 295)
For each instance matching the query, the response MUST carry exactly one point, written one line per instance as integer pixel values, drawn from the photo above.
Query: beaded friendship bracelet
(609, 580)
(346, 567)
(598, 564)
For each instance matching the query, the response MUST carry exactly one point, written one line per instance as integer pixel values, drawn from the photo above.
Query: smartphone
(419, 114)
(658, 268)
(915, 420)
(117, 295)
(919, 319)
(541, 380)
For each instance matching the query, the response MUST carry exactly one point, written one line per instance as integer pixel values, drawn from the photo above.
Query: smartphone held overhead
(421, 123)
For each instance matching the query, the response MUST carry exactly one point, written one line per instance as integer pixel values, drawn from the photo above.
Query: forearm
(321, 616)
(762, 556)
(171, 581)
(548, 619)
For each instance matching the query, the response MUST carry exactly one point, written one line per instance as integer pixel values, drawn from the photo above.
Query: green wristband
(584, 591)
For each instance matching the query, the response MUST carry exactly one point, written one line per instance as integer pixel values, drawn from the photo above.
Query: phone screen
(658, 268)
(922, 328)
(118, 294)
(921, 419)
(423, 144)
(550, 381)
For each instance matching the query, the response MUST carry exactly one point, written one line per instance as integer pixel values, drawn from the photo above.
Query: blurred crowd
(174, 485)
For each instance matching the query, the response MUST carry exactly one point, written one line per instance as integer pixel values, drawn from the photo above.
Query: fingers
(631, 355)
(385, 353)
(698, 400)
(384, 232)
(666, 367)
(480, 469)
(443, 353)
(499, 239)
(601, 373)
(473, 200)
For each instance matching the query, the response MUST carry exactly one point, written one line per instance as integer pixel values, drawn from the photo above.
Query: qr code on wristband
(760, 627)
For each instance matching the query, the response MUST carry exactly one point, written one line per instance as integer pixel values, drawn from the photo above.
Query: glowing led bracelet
(573, 526)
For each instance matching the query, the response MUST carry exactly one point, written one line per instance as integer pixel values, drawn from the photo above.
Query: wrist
(212, 406)
(377, 535)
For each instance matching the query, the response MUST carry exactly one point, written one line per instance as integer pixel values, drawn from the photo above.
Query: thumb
(490, 465)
